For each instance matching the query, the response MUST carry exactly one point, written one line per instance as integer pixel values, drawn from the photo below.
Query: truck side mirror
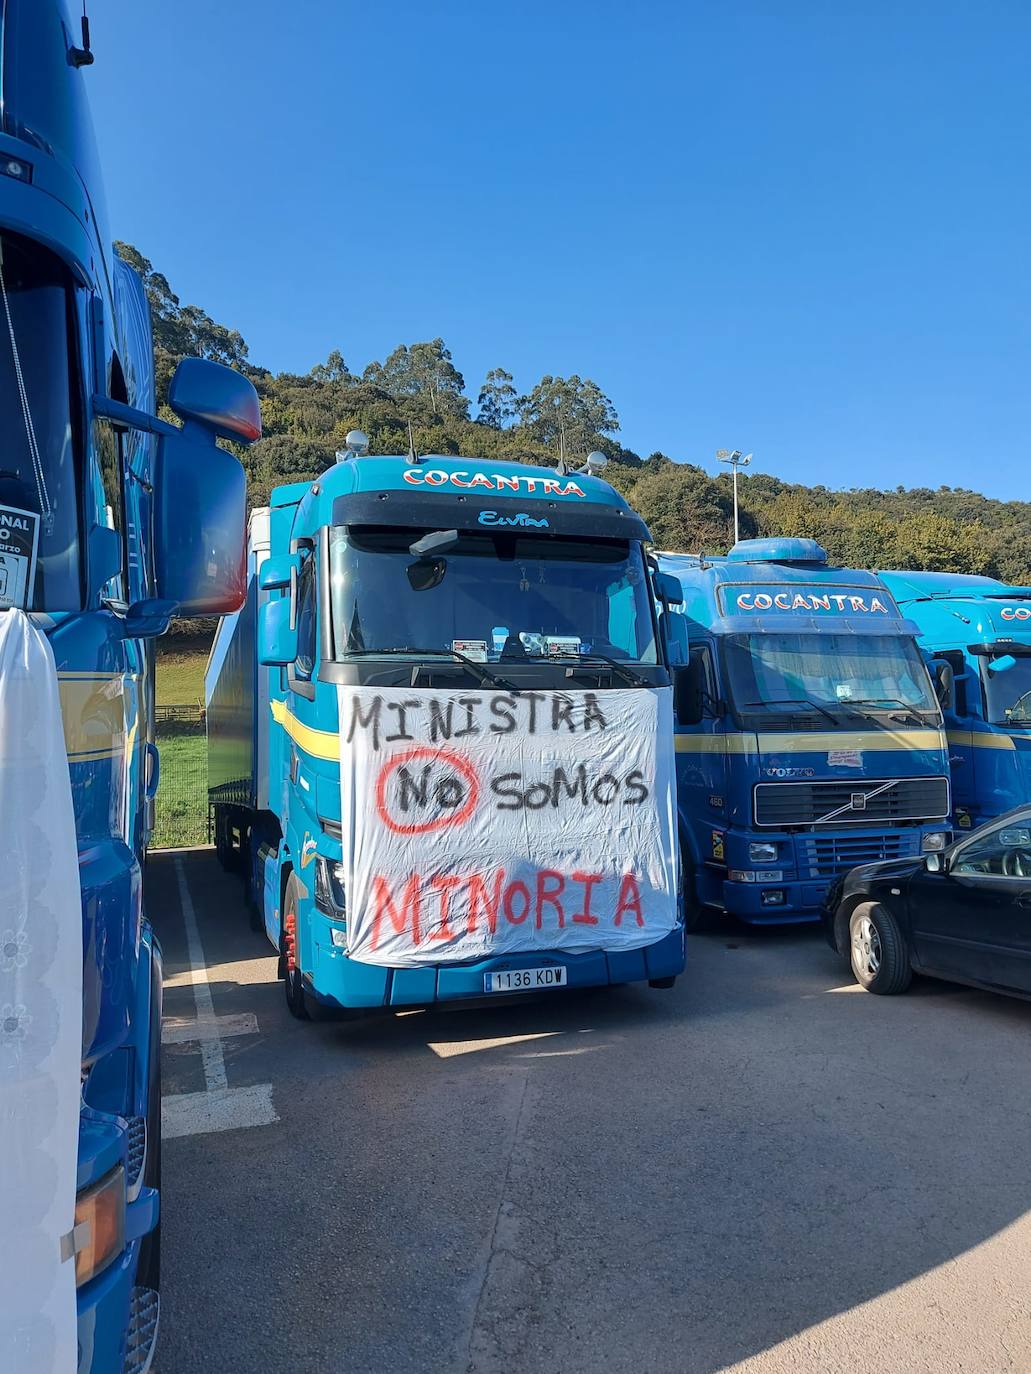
(689, 693)
(277, 638)
(278, 571)
(668, 588)
(200, 490)
(944, 678)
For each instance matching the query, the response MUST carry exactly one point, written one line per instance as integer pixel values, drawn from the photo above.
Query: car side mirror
(689, 693)
(277, 637)
(936, 863)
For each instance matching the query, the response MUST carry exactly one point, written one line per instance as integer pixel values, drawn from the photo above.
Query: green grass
(182, 799)
(180, 677)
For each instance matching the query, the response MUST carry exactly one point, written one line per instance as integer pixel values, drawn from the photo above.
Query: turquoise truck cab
(976, 633)
(808, 735)
(514, 586)
(132, 521)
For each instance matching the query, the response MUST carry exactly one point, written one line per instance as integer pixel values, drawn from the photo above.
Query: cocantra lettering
(811, 601)
(494, 481)
(1016, 613)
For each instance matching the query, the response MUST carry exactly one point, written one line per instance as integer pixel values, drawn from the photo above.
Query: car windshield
(1009, 694)
(840, 676)
(39, 520)
(490, 597)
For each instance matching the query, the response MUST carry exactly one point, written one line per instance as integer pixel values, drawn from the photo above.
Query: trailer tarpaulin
(478, 823)
(40, 1010)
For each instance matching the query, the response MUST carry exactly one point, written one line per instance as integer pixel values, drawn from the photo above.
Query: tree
(497, 399)
(334, 369)
(568, 409)
(423, 373)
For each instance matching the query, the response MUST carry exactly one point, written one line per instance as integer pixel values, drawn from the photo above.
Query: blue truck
(976, 633)
(808, 734)
(132, 521)
(440, 735)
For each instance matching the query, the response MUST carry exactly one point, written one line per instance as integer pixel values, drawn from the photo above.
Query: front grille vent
(866, 801)
(827, 856)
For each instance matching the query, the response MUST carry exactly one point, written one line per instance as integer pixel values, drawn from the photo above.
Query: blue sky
(787, 226)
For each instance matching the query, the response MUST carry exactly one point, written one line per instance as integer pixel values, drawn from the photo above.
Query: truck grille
(808, 803)
(826, 856)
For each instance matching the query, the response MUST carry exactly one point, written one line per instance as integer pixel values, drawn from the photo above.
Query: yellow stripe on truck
(320, 744)
(811, 742)
(981, 739)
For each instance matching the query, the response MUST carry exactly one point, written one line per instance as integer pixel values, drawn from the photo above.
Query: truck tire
(878, 951)
(293, 983)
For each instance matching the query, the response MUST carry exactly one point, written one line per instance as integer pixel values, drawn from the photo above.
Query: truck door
(702, 784)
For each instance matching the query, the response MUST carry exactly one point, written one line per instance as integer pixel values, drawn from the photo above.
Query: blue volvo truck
(808, 734)
(976, 633)
(440, 735)
(130, 521)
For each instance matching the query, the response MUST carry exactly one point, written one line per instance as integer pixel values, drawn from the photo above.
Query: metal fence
(181, 810)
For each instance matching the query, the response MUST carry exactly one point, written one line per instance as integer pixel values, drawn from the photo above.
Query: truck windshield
(1009, 694)
(837, 675)
(496, 597)
(38, 483)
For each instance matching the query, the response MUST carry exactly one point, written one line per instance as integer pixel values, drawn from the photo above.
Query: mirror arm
(129, 417)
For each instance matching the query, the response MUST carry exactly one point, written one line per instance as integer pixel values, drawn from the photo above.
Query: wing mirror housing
(944, 679)
(218, 398)
(688, 693)
(277, 637)
(668, 588)
(279, 571)
(1002, 664)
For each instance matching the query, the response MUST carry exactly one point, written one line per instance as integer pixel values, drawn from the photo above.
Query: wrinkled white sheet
(477, 822)
(40, 1009)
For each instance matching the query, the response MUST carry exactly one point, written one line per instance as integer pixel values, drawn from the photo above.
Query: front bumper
(343, 982)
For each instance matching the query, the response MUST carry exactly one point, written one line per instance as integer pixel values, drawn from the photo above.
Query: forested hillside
(306, 417)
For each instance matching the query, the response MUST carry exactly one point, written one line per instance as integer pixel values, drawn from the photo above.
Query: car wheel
(878, 950)
(290, 954)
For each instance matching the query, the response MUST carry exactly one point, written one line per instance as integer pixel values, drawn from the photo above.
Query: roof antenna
(413, 457)
(82, 57)
(560, 466)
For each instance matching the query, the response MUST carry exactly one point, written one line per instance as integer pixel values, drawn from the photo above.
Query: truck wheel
(878, 950)
(292, 981)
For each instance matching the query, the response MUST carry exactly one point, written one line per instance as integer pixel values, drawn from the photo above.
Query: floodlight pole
(734, 458)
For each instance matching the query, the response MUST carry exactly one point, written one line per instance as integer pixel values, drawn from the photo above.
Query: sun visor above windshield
(491, 514)
(791, 623)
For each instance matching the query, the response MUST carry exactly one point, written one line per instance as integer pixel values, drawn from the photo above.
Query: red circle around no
(450, 818)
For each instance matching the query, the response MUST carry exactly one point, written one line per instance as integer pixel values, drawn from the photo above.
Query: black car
(963, 914)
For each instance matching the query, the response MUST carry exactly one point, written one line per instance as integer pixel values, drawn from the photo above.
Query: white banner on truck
(482, 822)
(40, 1011)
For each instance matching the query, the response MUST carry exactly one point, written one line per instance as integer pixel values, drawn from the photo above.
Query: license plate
(524, 979)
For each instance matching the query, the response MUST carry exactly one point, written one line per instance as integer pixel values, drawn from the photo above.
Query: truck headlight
(935, 842)
(101, 1212)
(330, 897)
(762, 853)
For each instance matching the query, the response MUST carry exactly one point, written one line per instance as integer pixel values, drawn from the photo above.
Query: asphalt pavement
(764, 1170)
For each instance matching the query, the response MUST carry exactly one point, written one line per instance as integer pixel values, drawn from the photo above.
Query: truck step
(144, 1312)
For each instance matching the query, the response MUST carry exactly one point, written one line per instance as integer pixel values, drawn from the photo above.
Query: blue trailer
(134, 521)
(424, 642)
(976, 632)
(808, 735)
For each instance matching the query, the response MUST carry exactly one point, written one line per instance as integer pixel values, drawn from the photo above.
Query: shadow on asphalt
(721, 1166)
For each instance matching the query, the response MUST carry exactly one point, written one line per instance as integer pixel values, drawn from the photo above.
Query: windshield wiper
(620, 669)
(477, 669)
(911, 712)
(795, 701)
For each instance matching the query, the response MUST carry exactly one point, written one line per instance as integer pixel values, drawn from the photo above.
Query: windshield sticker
(1016, 612)
(559, 646)
(19, 539)
(518, 482)
(845, 758)
(474, 649)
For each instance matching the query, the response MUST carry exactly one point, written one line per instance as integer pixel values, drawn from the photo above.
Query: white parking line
(218, 1107)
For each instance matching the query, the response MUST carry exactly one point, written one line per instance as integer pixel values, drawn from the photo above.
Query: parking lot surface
(764, 1170)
